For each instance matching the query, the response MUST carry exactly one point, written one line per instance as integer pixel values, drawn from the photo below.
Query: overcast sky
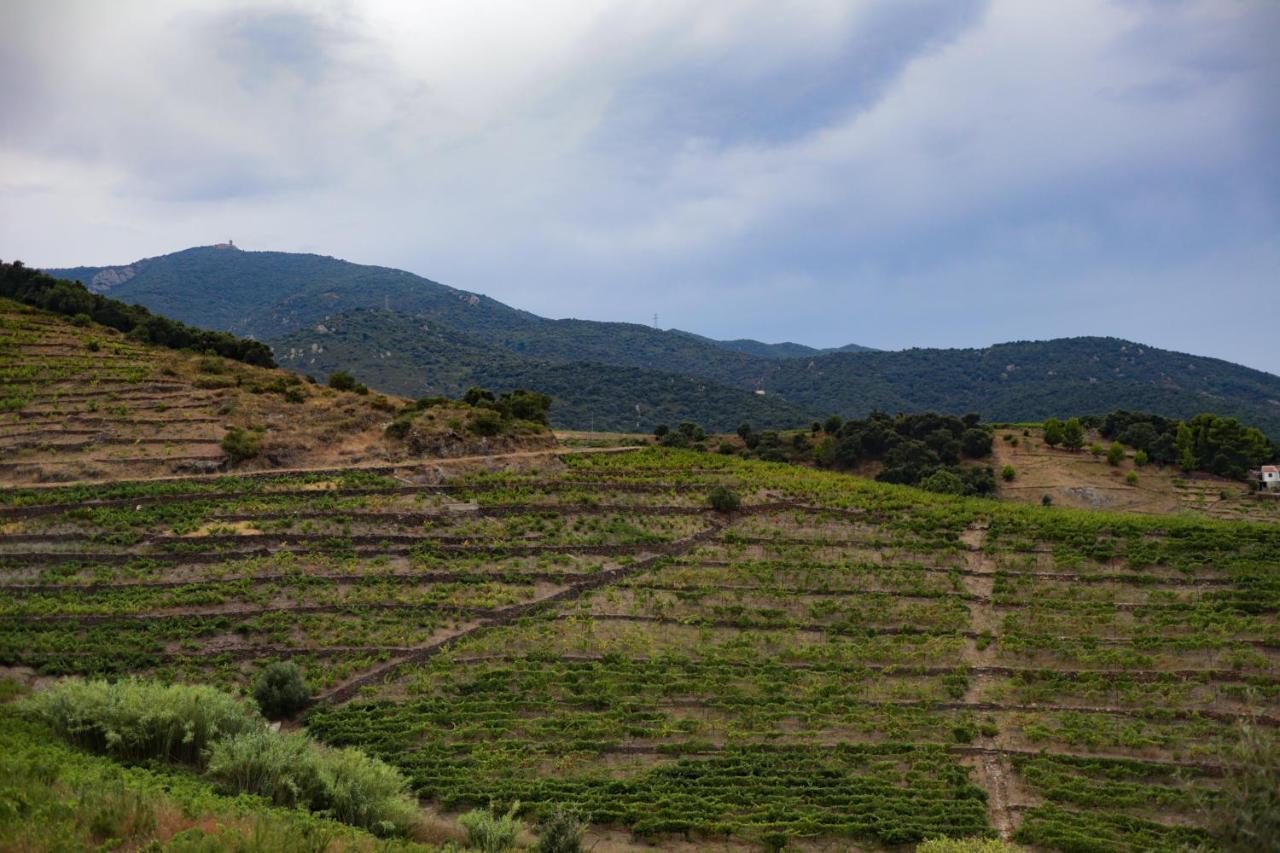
(897, 173)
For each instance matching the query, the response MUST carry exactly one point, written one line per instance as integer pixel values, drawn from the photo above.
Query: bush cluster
(201, 727)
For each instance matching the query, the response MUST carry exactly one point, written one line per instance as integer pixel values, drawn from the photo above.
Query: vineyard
(837, 659)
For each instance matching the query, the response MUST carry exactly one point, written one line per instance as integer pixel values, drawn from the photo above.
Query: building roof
(1271, 469)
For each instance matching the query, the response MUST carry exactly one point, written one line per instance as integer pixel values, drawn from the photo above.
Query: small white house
(1269, 476)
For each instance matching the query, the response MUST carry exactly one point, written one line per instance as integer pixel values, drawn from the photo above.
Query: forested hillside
(419, 358)
(603, 370)
(1032, 380)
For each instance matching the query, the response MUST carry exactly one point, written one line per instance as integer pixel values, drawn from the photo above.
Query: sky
(892, 173)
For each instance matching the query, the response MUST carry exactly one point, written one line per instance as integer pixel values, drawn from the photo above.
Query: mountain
(267, 295)
(416, 335)
(418, 357)
(787, 349)
(1031, 380)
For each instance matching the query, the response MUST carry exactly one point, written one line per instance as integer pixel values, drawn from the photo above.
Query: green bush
(488, 832)
(240, 444)
(280, 690)
(1115, 453)
(342, 381)
(1140, 459)
(485, 422)
(726, 448)
(139, 720)
(943, 482)
(560, 832)
(296, 394)
(1007, 473)
(293, 770)
(400, 427)
(723, 499)
(1131, 478)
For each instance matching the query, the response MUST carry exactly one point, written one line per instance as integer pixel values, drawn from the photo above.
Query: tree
(280, 690)
(744, 430)
(1053, 432)
(724, 500)
(478, 396)
(976, 443)
(832, 425)
(1184, 445)
(1073, 434)
(1115, 453)
(943, 482)
(660, 430)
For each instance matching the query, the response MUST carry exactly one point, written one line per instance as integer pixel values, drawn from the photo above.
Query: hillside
(839, 662)
(81, 401)
(1032, 380)
(417, 357)
(281, 298)
(1080, 479)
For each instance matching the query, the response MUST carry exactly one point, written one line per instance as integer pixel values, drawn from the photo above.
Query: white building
(1270, 477)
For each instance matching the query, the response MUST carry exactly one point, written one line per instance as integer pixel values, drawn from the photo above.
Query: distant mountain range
(406, 334)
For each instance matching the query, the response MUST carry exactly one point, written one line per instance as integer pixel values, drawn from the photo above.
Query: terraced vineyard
(837, 660)
(85, 402)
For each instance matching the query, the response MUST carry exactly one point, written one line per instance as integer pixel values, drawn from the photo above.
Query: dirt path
(992, 770)
(447, 461)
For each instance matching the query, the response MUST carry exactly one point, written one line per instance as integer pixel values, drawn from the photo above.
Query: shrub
(1115, 453)
(1140, 459)
(1096, 449)
(280, 690)
(488, 832)
(1046, 500)
(211, 365)
(723, 499)
(660, 430)
(342, 381)
(400, 427)
(240, 444)
(1131, 478)
(1007, 473)
(831, 426)
(1246, 816)
(726, 448)
(943, 482)
(485, 422)
(560, 832)
(81, 320)
(138, 720)
(93, 346)
(293, 770)
(296, 394)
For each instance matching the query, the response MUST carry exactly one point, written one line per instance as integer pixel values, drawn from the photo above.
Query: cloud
(827, 172)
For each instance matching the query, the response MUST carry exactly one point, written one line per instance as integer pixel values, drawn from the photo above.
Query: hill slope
(86, 402)
(281, 297)
(1031, 380)
(836, 663)
(419, 357)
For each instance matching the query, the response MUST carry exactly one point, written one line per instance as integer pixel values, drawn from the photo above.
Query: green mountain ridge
(417, 357)
(416, 336)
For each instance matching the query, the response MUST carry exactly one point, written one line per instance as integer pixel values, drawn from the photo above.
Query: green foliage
(1140, 459)
(485, 422)
(342, 381)
(1247, 816)
(490, 832)
(281, 690)
(1007, 473)
(139, 720)
(1054, 432)
(1073, 434)
(725, 500)
(1115, 453)
(943, 482)
(72, 299)
(292, 770)
(55, 797)
(560, 831)
(240, 444)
